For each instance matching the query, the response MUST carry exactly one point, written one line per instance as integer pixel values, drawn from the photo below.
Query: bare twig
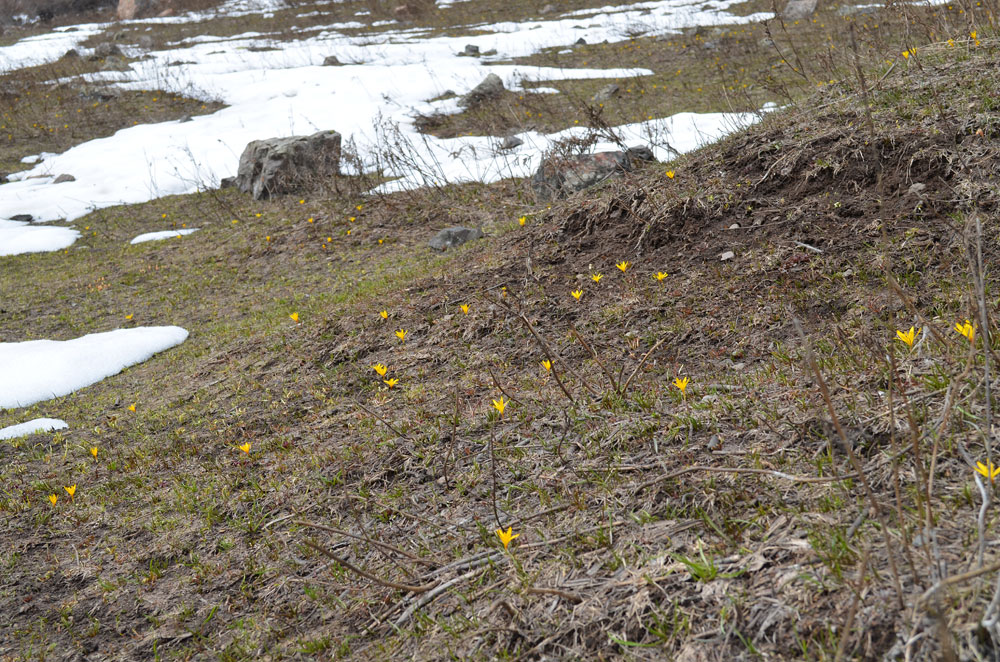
(642, 362)
(371, 541)
(742, 470)
(855, 464)
(383, 421)
(431, 593)
(367, 575)
(586, 346)
(572, 597)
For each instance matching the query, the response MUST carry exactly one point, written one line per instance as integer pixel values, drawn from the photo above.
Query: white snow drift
(372, 102)
(162, 234)
(18, 237)
(33, 426)
(38, 370)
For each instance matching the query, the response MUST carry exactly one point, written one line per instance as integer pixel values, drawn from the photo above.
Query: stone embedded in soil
(606, 93)
(797, 10)
(278, 166)
(455, 236)
(854, 10)
(132, 9)
(64, 178)
(490, 88)
(24, 218)
(728, 255)
(104, 51)
(510, 142)
(559, 177)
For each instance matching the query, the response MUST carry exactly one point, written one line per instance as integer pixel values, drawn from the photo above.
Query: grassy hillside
(810, 493)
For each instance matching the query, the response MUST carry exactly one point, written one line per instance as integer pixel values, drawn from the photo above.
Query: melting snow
(32, 427)
(38, 370)
(163, 234)
(17, 237)
(287, 92)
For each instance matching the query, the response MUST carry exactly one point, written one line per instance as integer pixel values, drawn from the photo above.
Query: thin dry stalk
(855, 464)
(493, 473)
(642, 362)
(896, 454)
(367, 575)
(853, 611)
(979, 274)
(590, 350)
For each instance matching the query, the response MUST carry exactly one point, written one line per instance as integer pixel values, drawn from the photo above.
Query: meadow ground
(810, 492)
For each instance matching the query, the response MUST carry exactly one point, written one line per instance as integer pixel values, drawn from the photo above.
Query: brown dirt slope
(741, 519)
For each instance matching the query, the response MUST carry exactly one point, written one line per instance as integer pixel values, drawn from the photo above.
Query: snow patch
(44, 48)
(163, 234)
(33, 426)
(38, 370)
(286, 92)
(18, 237)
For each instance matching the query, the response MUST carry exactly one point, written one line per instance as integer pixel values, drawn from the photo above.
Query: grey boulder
(606, 93)
(452, 237)
(559, 177)
(278, 166)
(490, 88)
(797, 10)
(104, 51)
(510, 142)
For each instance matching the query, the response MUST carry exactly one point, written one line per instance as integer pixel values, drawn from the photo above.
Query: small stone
(106, 50)
(24, 218)
(453, 237)
(581, 42)
(510, 142)
(734, 226)
(331, 61)
(641, 153)
(490, 88)
(114, 63)
(186, 118)
(797, 10)
(227, 182)
(728, 255)
(64, 178)
(71, 54)
(851, 10)
(714, 443)
(606, 93)
(917, 188)
(471, 50)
